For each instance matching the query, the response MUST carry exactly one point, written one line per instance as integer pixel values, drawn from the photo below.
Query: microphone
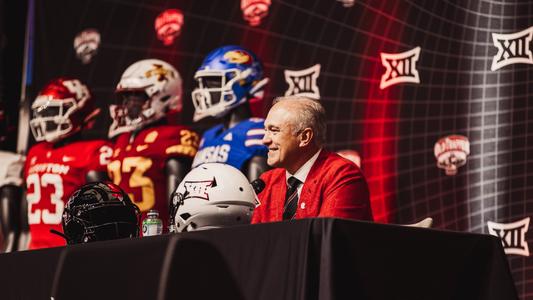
(258, 185)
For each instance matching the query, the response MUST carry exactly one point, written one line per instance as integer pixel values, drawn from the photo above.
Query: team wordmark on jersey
(303, 82)
(400, 68)
(211, 154)
(513, 48)
(49, 168)
(512, 235)
(198, 189)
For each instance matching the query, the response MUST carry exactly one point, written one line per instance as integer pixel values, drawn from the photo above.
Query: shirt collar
(303, 171)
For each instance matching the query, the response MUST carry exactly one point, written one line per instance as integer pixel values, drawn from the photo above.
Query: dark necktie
(291, 198)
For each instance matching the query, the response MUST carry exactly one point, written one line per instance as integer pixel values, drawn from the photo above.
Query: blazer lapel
(306, 204)
(281, 186)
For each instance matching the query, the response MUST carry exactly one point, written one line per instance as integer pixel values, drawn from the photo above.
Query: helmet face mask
(157, 81)
(210, 196)
(99, 211)
(51, 119)
(227, 78)
(61, 109)
(134, 106)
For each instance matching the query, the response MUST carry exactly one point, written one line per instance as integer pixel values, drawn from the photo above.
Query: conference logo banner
(512, 235)
(451, 153)
(400, 68)
(86, 45)
(303, 82)
(253, 11)
(513, 48)
(168, 25)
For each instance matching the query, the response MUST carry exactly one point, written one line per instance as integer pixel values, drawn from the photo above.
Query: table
(301, 259)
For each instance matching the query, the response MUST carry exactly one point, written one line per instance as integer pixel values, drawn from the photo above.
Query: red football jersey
(51, 175)
(138, 164)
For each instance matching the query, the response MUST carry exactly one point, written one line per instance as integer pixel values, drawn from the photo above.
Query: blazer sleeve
(258, 215)
(346, 195)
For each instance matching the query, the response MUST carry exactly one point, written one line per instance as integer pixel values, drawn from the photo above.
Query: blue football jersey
(233, 146)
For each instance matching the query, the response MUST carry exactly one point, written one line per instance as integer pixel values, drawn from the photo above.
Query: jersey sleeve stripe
(253, 142)
(255, 132)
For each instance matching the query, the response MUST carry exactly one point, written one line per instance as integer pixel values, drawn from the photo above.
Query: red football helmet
(62, 108)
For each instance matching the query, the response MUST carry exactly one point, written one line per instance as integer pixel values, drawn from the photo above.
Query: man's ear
(306, 137)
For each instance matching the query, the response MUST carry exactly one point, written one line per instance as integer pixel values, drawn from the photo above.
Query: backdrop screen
(435, 96)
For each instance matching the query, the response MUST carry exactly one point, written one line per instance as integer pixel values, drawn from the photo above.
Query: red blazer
(334, 187)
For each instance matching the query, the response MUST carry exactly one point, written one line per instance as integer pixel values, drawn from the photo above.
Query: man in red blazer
(324, 183)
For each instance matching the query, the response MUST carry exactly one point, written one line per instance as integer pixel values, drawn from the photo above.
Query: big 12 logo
(303, 82)
(400, 68)
(512, 235)
(513, 48)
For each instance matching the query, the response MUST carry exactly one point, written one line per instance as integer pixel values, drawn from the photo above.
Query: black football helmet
(99, 211)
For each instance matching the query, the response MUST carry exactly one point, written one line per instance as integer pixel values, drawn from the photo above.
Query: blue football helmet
(227, 78)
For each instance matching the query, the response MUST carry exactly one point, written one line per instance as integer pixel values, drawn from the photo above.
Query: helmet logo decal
(114, 190)
(198, 189)
(237, 57)
(160, 72)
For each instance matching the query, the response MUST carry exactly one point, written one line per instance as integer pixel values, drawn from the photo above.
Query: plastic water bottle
(152, 224)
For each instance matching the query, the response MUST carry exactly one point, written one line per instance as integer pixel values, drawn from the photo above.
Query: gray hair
(310, 114)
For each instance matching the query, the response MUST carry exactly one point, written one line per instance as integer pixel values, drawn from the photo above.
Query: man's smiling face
(282, 143)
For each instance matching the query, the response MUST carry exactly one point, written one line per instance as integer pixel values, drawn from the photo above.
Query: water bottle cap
(153, 213)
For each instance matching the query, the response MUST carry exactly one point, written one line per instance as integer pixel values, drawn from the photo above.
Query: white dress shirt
(302, 172)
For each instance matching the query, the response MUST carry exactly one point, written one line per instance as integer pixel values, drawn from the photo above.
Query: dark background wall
(12, 28)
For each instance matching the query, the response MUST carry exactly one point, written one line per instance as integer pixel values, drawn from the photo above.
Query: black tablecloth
(304, 259)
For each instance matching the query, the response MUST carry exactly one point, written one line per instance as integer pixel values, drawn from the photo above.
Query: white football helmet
(210, 196)
(155, 79)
